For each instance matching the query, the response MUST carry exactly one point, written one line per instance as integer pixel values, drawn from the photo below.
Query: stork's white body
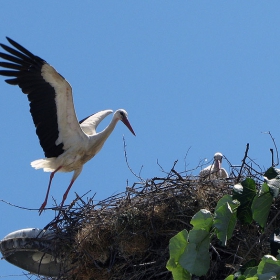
(67, 143)
(214, 171)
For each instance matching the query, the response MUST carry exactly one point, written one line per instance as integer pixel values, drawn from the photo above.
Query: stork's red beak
(126, 122)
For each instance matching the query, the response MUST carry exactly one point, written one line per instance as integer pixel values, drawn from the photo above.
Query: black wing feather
(26, 73)
(10, 65)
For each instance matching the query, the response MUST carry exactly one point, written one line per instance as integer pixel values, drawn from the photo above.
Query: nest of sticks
(126, 236)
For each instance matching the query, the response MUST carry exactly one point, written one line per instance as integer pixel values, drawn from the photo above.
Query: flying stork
(67, 143)
(214, 171)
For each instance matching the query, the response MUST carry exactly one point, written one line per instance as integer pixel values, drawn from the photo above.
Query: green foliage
(177, 245)
(251, 264)
(203, 219)
(225, 218)
(230, 277)
(195, 258)
(261, 205)
(268, 268)
(272, 176)
(271, 173)
(189, 252)
(244, 193)
(269, 264)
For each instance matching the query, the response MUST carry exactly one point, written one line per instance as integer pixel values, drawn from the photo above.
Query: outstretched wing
(50, 97)
(89, 124)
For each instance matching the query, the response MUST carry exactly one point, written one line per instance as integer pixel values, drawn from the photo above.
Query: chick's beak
(217, 164)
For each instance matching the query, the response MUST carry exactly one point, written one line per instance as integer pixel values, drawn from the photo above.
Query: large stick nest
(126, 236)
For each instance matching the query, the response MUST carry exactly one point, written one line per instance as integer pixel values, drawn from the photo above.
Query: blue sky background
(198, 75)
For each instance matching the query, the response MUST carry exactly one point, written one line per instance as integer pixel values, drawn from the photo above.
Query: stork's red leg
(75, 176)
(47, 194)
(66, 193)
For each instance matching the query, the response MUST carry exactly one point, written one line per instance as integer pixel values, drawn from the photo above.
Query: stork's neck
(108, 130)
(102, 136)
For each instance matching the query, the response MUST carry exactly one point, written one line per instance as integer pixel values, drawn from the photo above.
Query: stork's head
(218, 157)
(121, 115)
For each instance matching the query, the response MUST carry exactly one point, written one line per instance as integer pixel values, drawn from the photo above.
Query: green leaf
(244, 214)
(203, 219)
(261, 205)
(249, 269)
(266, 276)
(196, 258)
(177, 245)
(230, 277)
(223, 200)
(225, 220)
(238, 276)
(181, 274)
(264, 189)
(250, 263)
(245, 193)
(271, 173)
(272, 176)
(274, 185)
(198, 236)
(268, 264)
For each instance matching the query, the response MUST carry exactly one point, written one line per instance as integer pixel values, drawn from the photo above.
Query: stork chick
(214, 171)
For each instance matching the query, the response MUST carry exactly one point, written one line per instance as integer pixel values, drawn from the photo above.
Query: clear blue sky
(191, 74)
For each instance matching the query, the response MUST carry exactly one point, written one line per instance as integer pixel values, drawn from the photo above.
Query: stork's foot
(61, 207)
(42, 207)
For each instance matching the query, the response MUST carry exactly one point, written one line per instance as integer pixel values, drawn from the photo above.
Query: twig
(179, 176)
(214, 249)
(126, 160)
(253, 161)
(271, 150)
(161, 167)
(171, 170)
(186, 158)
(272, 157)
(20, 207)
(243, 162)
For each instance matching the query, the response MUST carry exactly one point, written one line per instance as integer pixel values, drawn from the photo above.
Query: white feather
(90, 124)
(69, 128)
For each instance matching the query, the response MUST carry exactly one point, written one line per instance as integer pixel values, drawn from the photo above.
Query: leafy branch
(189, 251)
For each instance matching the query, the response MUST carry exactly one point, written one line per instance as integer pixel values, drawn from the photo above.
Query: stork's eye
(122, 113)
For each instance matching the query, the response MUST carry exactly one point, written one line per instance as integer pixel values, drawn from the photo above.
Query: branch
(126, 160)
(243, 162)
(20, 207)
(162, 170)
(271, 150)
(185, 158)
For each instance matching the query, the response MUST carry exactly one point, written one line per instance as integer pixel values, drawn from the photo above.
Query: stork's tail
(48, 164)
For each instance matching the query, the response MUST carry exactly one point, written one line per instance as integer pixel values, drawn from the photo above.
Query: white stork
(214, 171)
(67, 143)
